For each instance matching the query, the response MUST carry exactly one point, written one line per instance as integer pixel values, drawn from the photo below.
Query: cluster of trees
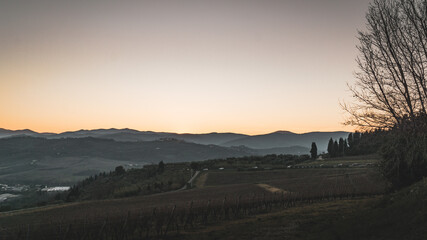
(125, 183)
(391, 89)
(337, 148)
(358, 143)
(368, 142)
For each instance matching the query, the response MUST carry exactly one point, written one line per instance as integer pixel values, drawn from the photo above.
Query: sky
(196, 66)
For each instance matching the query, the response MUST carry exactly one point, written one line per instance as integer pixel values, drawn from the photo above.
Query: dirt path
(200, 182)
(189, 181)
(271, 188)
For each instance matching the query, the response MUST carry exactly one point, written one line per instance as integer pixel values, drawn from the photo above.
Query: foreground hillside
(226, 197)
(401, 215)
(341, 198)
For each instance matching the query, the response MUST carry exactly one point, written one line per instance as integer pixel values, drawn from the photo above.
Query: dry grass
(119, 207)
(201, 180)
(216, 188)
(292, 223)
(272, 189)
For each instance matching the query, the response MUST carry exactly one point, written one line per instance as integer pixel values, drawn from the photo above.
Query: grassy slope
(270, 176)
(214, 185)
(72, 212)
(347, 160)
(402, 215)
(301, 222)
(144, 181)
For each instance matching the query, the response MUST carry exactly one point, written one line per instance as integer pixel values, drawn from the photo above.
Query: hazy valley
(65, 158)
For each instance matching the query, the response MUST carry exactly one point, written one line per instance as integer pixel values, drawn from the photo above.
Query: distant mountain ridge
(277, 139)
(11, 133)
(285, 138)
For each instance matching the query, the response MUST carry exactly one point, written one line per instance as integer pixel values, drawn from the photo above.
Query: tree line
(357, 143)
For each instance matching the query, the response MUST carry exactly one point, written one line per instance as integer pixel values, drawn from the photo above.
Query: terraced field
(316, 181)
(218, 196)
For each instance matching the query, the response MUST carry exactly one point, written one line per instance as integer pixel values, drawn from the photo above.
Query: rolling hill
(67, 160)
(27, 156)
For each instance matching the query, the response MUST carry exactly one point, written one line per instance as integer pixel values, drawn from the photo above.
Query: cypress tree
(336, 149)
(313, 150)
(356, 138)
(345, 147)
(161, 167)
(331, 148)
(350, 140)
(341, 147)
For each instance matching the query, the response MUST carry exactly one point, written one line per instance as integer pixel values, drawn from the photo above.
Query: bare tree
(391, 80)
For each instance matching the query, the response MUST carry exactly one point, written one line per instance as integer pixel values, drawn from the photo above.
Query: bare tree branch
(392, 65)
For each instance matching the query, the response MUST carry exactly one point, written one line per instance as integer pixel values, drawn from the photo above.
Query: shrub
(405, 153)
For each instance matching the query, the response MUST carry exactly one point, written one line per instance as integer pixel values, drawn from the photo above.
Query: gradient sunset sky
(178, 66)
